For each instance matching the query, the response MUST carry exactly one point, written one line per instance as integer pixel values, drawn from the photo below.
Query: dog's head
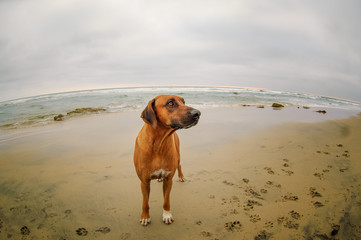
(171, 112)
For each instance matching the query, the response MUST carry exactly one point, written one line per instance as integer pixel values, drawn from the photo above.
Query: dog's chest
(161, 173)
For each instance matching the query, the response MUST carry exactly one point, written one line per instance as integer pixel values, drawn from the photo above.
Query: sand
(250, 174)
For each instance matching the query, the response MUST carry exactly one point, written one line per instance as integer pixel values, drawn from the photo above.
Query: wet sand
(250, 174)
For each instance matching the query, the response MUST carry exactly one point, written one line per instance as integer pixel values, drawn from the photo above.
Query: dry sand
(250, 174)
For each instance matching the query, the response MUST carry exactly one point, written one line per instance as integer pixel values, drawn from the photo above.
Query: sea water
(42, 109)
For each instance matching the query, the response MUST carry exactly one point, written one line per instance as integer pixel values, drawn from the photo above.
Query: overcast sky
(308, 46)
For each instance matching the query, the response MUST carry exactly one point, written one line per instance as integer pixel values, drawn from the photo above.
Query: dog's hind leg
(180, 173)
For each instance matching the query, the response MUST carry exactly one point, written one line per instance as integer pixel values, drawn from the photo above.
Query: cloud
(308, 46)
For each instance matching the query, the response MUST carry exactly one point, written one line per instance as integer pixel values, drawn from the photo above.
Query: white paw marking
(167, 217)
(145, 222)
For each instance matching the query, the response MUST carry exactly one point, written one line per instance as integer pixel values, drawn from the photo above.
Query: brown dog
(156, 154)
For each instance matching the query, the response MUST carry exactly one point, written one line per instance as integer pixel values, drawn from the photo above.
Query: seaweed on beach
(78, 111)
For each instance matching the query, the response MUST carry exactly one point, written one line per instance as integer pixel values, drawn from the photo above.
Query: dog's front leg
(145, 218)
(167, 187)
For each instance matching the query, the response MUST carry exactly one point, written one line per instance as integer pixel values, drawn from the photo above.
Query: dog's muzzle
(189, 121)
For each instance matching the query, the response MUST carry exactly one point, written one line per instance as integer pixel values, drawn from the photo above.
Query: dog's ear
(148, 114)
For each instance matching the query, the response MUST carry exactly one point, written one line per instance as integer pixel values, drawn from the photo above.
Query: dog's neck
(159, 135)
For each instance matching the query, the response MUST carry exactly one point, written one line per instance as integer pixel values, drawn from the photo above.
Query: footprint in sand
(286, 162)
(263, 235)
(346, 154)
(269, 224)
(287, 223)
(234, 226)
(314, 193)
(290, 197)
(228, 183)
(81, 232)
(253, 192)
(245, 180)
(206, 234)
(269, 170)
(288, 172)
(318, 204)
(263, 190)
(254, 218)
(335, 229)
(250, 204)
(271, 183)
(343, 169)
(124, 236)
(319, 175)
(25, 230)
(291, 225)
(103, 230)
(295, 215)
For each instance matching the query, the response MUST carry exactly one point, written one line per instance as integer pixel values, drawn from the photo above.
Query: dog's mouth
(189, 122)
(192, 124)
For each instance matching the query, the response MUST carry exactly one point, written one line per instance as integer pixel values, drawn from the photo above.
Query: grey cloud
(307, 46)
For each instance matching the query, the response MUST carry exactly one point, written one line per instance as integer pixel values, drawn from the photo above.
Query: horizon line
(164, 86)
(129, 86)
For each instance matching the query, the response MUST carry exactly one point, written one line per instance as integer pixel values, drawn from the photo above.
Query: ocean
(40, 110)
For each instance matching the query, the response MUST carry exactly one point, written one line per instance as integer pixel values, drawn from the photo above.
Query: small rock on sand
(59, 117)
(277, 105)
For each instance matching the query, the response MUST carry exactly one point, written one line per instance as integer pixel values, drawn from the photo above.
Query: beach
(251, 173)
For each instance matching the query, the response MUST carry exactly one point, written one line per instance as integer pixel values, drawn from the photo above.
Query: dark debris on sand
(78, 111)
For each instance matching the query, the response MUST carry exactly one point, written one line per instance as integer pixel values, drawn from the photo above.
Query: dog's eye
(171, 104)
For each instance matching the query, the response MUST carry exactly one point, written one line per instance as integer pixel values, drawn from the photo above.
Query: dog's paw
(182, 179)
(167, 217)
(145, 222)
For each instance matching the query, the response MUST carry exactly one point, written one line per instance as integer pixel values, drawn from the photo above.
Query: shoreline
(78, 113)
(250, 174)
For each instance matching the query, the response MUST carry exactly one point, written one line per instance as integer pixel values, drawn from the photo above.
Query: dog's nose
(195, 113)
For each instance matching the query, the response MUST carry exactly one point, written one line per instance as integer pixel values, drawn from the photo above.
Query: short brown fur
(156, 154)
